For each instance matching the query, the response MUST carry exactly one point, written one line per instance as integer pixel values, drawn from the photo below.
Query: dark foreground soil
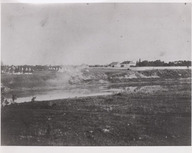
(159, 118)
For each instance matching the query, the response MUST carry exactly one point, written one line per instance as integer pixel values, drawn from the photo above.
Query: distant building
(54, 68)
(128, 64)
(115, 64)
(27, 69)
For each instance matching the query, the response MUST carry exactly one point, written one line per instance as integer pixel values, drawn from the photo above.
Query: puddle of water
(42, 95)
(59, 96)
(26, 96)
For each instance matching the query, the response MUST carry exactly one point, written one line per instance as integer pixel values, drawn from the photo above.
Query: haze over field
(90, 74)
(94, 33)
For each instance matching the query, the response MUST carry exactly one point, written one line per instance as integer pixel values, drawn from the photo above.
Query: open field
(152, 109)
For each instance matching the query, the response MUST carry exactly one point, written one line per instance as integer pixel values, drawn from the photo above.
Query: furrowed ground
(155, 113)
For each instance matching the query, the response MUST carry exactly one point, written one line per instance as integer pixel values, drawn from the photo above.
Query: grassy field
(157, 113)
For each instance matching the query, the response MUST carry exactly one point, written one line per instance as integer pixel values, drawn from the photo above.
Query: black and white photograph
(96, 74)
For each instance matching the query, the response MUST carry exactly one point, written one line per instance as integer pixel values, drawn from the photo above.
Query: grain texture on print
(87, 74)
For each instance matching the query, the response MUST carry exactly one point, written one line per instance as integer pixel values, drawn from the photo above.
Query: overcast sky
(94, 33)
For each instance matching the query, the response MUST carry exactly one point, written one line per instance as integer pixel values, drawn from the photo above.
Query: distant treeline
(162, 63)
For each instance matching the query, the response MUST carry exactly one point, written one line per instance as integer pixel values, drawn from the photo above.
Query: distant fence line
(159, 67)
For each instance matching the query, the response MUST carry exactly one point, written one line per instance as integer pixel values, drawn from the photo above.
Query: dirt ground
(158, 115)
